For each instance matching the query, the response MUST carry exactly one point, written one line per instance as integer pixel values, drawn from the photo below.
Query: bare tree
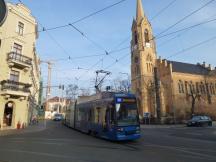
(72, 91)
(121, 85)
(85, 91)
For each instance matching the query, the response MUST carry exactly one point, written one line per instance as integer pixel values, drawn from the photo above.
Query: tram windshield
(126, 114)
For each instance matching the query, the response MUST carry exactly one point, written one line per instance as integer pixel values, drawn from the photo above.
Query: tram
(112, 116)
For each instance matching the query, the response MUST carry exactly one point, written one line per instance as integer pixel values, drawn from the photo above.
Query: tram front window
(126, 114)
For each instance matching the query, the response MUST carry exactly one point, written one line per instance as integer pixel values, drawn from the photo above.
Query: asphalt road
(60, 144)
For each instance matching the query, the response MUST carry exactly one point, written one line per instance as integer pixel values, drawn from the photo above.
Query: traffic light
(61, 87)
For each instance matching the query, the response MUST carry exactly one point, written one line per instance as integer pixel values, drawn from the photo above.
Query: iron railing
(15, 86)
(13, 56)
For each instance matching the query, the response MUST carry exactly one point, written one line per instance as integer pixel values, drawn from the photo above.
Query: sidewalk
(144, 126)
(31, 128)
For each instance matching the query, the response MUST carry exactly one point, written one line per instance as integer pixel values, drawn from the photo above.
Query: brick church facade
(170, 91)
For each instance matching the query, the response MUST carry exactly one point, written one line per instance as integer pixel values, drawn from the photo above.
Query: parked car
(58, 117)
(200, 121)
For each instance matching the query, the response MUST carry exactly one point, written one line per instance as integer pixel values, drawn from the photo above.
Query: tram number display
(125, 100)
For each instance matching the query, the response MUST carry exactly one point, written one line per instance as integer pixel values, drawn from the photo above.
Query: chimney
(209, 67)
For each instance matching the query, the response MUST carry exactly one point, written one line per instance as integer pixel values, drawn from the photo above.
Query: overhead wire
(184, 18)
(74, 22)
(162, 10)
(192, 47)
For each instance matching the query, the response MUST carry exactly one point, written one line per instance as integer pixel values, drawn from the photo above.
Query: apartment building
(19, 67)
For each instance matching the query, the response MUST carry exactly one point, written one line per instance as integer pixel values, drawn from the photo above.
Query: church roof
(189, 68)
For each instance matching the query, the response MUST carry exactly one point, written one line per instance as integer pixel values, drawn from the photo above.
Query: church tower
(143, 61)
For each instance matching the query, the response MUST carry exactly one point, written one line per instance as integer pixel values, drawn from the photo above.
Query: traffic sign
(3, 11)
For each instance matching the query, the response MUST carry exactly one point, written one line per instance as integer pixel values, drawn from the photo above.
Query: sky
(111, 30)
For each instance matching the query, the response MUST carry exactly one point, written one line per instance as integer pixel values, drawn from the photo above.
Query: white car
(58, 117)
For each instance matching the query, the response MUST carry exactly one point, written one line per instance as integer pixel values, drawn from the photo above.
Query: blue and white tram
(112, 116)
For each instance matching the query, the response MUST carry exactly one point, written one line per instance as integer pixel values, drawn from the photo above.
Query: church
(170, 91)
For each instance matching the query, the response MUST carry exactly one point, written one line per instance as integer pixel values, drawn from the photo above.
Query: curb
(29, 129)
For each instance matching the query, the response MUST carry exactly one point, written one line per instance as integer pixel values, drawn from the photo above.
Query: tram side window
(81, 113)
(112, 115)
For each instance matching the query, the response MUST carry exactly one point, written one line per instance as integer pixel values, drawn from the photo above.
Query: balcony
(14, 89)
(19, 61)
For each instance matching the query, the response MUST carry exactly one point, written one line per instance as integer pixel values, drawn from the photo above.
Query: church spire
(140, 11)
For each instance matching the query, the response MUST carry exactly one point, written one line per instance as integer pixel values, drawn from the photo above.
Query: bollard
(18, 125)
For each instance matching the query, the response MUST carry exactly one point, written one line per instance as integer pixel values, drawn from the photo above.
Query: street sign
(3, 11)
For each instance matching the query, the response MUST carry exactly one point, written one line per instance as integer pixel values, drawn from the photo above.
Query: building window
(136, 60)
(212, 90)
(20, 28)
(135, 38)
(14, 76)
(202, 88)
(17, 48)
(207, 88)
(186, 86)
(197, 88)
(181, 86)
(146, 36)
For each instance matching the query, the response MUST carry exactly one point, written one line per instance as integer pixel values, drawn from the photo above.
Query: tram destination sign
(125, 100)
(3, 11)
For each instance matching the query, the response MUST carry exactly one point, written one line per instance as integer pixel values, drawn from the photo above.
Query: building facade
(19, 67)
(170, 91)
(56, 105)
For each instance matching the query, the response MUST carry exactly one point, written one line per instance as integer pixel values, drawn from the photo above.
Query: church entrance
(8, 114)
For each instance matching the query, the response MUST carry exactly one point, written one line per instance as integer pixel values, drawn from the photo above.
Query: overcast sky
(112, 27)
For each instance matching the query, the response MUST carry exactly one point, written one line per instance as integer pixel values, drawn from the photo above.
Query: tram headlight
(120, 129)
(137, 131)
(137, 128)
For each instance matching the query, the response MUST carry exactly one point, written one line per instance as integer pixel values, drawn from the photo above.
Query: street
(58, 143)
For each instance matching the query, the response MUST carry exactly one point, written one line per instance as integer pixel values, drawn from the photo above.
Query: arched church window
(212, 89)
(136, 60)
(197, 88)
(186, 86)
(181, 86)
(135, 38)
(202, 88)
(146, 36)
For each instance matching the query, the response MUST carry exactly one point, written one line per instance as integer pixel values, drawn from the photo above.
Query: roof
(189, 68)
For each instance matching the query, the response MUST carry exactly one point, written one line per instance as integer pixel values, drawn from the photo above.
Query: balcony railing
(15, 86)
(15, 57)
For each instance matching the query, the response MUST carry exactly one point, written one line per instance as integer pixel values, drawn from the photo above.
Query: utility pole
(48, 91)
(157, 90)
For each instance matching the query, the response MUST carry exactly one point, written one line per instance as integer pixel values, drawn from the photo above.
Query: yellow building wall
(9, 35)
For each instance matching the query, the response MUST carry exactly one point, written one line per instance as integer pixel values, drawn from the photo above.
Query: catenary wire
(184, 18)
